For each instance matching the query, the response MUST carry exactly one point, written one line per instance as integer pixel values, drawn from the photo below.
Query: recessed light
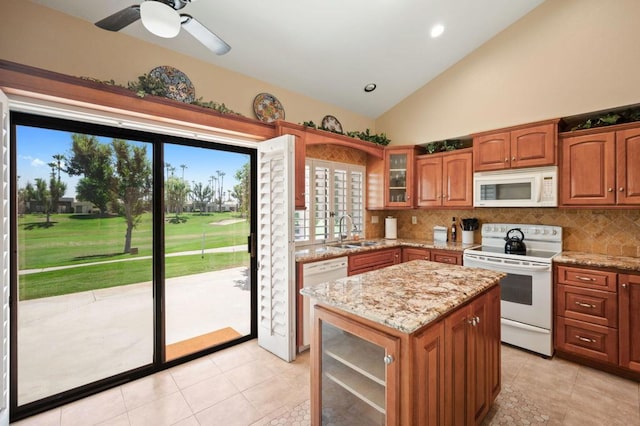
(437, 30)
(370, 87)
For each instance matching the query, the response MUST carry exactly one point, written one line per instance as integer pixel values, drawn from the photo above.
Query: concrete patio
(67, 341)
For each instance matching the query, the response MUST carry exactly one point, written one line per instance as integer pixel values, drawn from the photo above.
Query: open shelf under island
(412, 344)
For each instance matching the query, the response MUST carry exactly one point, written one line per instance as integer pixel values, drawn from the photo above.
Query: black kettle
(515, 244)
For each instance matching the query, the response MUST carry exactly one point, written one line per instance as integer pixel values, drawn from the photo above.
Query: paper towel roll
(391, 228)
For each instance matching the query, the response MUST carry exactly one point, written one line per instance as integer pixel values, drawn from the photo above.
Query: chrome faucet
(344, 216)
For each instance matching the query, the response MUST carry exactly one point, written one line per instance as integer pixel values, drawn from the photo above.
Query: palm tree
(183, 166)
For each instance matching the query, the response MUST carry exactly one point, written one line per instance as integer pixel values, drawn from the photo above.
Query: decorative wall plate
(268, 108)
(179, 87)
(329, 122)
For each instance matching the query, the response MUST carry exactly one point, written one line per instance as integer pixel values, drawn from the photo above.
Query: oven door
(525, 292)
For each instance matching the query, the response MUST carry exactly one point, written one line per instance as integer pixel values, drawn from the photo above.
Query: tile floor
(245, 385)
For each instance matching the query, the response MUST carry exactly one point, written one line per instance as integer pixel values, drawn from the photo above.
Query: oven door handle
(511, 265)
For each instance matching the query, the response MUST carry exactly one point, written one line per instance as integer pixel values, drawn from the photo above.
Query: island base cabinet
(446, 373)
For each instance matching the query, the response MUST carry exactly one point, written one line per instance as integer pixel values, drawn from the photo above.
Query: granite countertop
(406, 296)
(578, 258)
(326, 251)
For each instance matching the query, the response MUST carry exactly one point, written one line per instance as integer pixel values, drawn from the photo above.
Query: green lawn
(65, 281)
(74, 239)
(77, 239)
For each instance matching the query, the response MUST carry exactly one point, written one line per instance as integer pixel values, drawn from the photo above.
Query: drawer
(449, 257)
(589, 340)
(371, 260)
(587, 278)
(584, 304)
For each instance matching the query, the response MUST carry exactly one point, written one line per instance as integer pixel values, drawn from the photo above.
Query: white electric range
(527, 290)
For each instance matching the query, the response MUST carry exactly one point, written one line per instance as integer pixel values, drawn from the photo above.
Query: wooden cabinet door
(457, 180)
(534, 146)
(399, 169)
(628, 166)
(588, 170)
(350, 349)
(429, 399)
(493, 345)
(429, 181)
(478, 360)
(455, 363)
(491, 152)
(415, 253)
(629, 321)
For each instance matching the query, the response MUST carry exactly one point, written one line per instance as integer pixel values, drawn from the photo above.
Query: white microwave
(529, 187)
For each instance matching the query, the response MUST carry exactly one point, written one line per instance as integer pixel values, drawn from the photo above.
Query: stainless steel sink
(355, 244)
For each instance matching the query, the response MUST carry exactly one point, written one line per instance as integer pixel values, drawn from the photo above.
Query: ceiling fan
(161, 17)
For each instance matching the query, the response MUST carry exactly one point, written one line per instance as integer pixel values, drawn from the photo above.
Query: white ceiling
(330, 49)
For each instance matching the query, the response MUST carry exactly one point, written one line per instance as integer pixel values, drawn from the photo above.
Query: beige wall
(566, 57)
(44, 38)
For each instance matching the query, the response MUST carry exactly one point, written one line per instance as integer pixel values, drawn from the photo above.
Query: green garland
(380, 139)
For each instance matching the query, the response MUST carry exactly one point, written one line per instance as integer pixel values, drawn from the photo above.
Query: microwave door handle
(538, 188)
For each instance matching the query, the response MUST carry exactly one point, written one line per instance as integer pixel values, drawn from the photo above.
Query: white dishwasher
(315, 273)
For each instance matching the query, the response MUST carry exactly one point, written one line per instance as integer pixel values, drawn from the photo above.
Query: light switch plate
(374, 219)
(414, 220)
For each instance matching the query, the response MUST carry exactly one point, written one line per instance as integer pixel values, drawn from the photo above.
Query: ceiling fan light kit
(160, 19)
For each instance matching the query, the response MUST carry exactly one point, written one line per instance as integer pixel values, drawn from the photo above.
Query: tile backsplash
(611, 232)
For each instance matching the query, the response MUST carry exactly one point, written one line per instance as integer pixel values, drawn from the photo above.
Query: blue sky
(36, 148)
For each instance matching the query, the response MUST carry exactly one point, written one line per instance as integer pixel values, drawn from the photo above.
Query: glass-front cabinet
(399, 172)
(357, 373)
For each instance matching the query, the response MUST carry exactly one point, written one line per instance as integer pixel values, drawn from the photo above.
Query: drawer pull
(585, 278)
(585, 339)
(585, 305)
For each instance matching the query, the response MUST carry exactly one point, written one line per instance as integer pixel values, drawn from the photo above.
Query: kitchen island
(414, 344)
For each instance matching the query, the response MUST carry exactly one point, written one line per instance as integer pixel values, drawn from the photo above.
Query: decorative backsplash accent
(610, 232)
(338, 153)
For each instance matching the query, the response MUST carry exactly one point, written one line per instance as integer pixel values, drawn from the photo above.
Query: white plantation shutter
(276, 277)
(5, 208)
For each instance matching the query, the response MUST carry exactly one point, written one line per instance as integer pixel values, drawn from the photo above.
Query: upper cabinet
(445, 180)
(599, 168)
(522, 146)
(390, 182)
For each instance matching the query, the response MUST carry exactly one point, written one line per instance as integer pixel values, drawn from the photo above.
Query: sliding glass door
(206, 224)
(131, 252)
(85, 305)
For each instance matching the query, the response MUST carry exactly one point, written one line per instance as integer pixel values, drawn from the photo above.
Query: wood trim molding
(36, 83)
(323, 137)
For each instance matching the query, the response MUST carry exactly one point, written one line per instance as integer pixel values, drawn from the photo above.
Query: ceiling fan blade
(204, 36)
(120, 19)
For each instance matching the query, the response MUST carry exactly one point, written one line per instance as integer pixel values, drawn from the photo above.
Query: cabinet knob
(506, 160)
(621, 189)
(624, 285)
(513, 158)
(388, 359)
(610, 189)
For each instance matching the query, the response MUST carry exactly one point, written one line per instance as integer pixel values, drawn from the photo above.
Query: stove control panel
(531, 232)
